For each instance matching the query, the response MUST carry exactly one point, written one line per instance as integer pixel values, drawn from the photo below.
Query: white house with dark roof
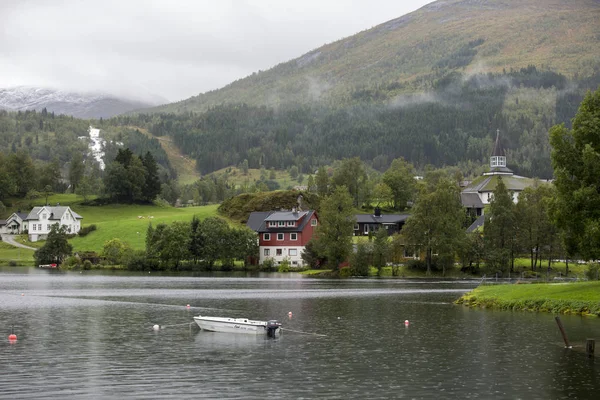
(15, 224)
(41, 219)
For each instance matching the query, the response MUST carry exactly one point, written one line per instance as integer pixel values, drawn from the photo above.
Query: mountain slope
(407, 54)
(79, 105)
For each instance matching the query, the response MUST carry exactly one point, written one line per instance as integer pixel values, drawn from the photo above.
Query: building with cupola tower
(478, 194)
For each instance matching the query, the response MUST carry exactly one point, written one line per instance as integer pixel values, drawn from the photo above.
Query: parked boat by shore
(48, 265)
(270, 328)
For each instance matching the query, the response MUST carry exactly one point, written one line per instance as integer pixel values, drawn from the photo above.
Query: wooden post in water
(562, 331)
(590, 345)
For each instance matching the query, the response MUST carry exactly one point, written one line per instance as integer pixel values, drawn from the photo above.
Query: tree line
(549, 222)
(427, 129)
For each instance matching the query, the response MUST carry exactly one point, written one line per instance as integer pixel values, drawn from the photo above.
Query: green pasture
(11, 255)
(130, 222)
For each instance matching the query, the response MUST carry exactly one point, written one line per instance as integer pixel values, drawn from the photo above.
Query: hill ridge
(406, 52)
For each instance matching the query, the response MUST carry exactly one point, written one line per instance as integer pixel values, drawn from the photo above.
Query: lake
(89, 335)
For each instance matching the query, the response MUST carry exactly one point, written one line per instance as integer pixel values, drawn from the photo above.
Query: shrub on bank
(86, 229)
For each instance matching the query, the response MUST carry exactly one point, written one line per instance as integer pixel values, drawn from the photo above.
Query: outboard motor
(272, 327)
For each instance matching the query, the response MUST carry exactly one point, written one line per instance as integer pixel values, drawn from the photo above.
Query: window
(294, 262)
(267, 252)
(356, 227)
(48, 227)
(291, 223)
(272, 223)
(293, 236)
(278, 252)
(33, 227)
(281, 223)
(293, 252)
(313, 222)
(267, 236)
(44, 216)
(39, 227)
(280, 236)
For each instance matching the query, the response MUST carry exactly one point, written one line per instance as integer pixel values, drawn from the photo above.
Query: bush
(160, 202)
(421, 265)
(284, 266)
(345, 272)
(593, 272)
(137, 261)
(70, 262)
(12, 263)
(87, 264)
(268, 265)
(86, 229)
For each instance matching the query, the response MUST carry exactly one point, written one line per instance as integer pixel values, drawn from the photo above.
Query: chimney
(377, 212)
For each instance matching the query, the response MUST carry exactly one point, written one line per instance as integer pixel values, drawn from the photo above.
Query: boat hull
(233, 325)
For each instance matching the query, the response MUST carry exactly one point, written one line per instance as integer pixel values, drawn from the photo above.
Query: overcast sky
(172, 49)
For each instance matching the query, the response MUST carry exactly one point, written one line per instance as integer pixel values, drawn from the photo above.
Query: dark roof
(286, 215)
(383, 219)
(475, 225)
(471, 200)
(298, 228)
(56, 212)
(505, 170)
(21, 215)
(256, 219)
(498, 149)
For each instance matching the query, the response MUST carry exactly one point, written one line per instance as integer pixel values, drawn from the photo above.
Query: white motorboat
(239, 325)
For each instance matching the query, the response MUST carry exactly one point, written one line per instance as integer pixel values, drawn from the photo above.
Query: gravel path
(11, 240)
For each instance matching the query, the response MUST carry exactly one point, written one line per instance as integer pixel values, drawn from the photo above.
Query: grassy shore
(564, 298)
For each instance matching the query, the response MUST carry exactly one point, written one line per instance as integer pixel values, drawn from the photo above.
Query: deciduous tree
(576, 163)
(336, 225)
(437, 220)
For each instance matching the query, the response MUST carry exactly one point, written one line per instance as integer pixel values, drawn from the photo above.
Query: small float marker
(156, 327)
(290, 314)
(188, 306)
(406, 322)
(22, 294)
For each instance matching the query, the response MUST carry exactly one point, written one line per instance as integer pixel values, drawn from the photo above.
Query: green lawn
(10, 255)
(123, 222)
(572, 297)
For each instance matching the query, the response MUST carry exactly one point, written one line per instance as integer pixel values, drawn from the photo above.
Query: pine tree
(151, 187)
(499, 229)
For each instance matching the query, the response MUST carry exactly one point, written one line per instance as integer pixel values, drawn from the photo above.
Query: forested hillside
(43, 152)
(452, 124)
(411, 53)
(433, 87)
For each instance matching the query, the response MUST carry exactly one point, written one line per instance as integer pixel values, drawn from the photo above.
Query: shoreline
(581, 298)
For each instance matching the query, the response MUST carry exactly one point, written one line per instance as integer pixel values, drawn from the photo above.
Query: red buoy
(12, 338)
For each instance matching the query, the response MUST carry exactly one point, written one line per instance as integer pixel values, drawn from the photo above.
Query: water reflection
(91, 336)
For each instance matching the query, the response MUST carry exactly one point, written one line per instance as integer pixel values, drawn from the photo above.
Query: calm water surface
(89, 335)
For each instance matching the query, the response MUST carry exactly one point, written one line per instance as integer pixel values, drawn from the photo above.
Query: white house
(16, 223)
(41, 219)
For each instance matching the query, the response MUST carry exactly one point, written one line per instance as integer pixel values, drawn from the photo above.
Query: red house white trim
(284, 234)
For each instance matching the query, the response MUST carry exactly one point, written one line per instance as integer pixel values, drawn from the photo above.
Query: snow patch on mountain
(80, 105)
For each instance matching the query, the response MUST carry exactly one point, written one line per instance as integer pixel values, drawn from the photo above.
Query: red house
(283, 234)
